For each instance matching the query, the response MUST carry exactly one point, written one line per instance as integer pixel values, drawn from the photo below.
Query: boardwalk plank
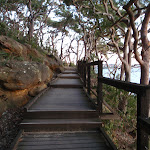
(67, 82)
(69, 76)
(62, 99)
(66, 146)
(92, 148)
(62, 142)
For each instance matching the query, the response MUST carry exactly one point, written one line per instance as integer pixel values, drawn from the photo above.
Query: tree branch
(144, 30)
(117, 47)
(135, 31)
(114, 8)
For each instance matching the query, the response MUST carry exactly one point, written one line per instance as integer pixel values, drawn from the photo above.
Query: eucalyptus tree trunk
(53, 44)
(122, 72)
(145, 49)
(61, 50)
(144, 62)
(78, 42)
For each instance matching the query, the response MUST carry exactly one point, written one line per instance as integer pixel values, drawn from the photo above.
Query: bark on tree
(145, 48)
(144, 62)
(62, 41)
(78, 42)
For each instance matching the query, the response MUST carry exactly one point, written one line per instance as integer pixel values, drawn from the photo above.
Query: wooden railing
(84, 70)
(143, 99)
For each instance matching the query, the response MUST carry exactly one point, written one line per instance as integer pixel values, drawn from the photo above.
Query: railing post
(84, 73)
(89, 79)
(78, 64)
(81, 70)
(99, 87)
(143, 111)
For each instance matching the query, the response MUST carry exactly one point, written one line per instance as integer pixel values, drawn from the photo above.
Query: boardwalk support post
(79, 67)
(99, 87)
(143, 111)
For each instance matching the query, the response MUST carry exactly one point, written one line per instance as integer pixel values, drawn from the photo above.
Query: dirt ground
(9, 127)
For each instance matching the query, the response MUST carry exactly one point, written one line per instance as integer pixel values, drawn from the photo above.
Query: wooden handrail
(127, 86)
(84, 69)
(93, 63)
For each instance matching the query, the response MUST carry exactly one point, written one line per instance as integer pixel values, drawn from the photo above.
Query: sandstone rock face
(19, 81)
(34, 91)
(22, 79)
(28, 53)
(11, 45)
(55, 63)
(23, 75)
(11, 99)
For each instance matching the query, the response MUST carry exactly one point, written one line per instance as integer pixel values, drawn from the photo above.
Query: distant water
(135, 74)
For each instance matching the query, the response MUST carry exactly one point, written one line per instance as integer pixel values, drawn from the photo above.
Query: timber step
(60, 124)
(66, 86)
(39, 114)
(67, 83)
(69, 72)
(69, 76)
(67, 140)
(71, 68)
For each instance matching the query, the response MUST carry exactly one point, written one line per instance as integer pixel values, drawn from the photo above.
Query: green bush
(8, 56)
(35, 59)
(127, 122)
(3, 28)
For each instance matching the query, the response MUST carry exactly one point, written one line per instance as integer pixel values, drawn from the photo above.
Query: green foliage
(34, 43)
(72, 64)
(68, 2)
(127, 121)
(39, 5)
(35, 58)
(8, 56)
(7, 31)
(93, 56)
(18, 58)
(3, 28)
(67, 20)
(4, 54)
(65, 63)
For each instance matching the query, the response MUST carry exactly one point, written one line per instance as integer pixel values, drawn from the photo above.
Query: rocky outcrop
(23, 75)
(26, 73)
(34, 91)
(12, 46)
(55, 63)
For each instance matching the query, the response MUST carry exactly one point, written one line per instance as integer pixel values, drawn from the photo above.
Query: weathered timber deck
(62, 140)
(72, 76)
(62, 99)
(62, 118)
(67, 83)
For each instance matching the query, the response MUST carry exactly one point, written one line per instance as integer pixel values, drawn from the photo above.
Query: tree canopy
(98, 27)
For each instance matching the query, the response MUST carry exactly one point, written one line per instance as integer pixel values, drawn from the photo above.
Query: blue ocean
(115, 73)
(135, 74)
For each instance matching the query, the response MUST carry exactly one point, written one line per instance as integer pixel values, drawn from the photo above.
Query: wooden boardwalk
(62, 118)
